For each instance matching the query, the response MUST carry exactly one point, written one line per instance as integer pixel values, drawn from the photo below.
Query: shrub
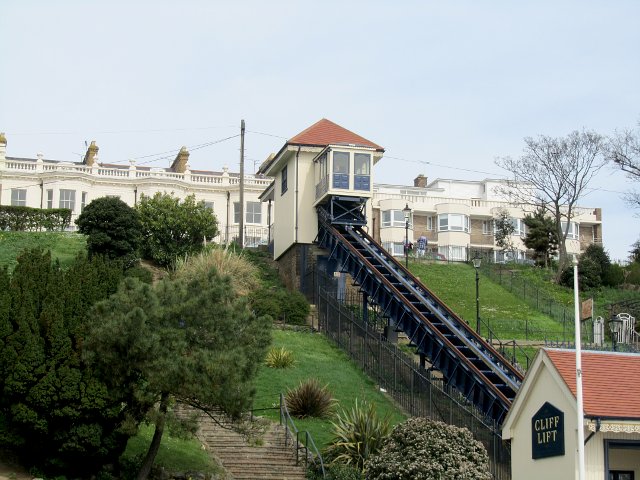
(427, 450)
(614, 277)
(589, 275)
(336, 472)
(267, 301)
(358, 433)
(295, 308)
(279, 358)
(172, 228)
(112, 228)
(310, 399)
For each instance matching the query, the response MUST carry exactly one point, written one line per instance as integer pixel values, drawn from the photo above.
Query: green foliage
(294, 308)
(336, 472)
(594, 270)
(193, 339)
(173, 229)
(421, 449)
(279, 358)
(113, 229)
(634, 273)
(358, 434)
(634, 253)
(54, 413)
(283, 305)
(310, 399)
(504, 228)
(598, 254)
(614, 277)
(589, 275)
(16, 218)
(542, 236)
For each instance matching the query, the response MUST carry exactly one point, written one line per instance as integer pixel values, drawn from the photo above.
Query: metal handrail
(286, 420)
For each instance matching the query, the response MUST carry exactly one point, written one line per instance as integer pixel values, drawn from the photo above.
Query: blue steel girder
(442, 350)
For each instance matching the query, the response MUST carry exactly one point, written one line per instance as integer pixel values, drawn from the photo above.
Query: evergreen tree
(54, 412)
(190, 340)
(542, 236)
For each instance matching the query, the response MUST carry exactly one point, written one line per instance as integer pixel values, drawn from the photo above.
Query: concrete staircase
(259, 453)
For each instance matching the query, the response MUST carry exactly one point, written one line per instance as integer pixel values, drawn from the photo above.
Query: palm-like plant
(358, 433)
(310, 399)
(279, 358)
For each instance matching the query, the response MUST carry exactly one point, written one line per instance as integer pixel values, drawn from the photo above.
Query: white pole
(580, 407)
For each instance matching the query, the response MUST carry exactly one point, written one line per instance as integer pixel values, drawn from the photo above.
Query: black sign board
(547, 432)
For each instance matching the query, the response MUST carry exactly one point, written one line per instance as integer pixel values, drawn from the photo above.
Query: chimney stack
(90, 156)
(420, 181)
(179, 165)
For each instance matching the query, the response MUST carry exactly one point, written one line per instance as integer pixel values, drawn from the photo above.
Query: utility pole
(241, 226)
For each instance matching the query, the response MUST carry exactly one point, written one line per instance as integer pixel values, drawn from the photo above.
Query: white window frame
(253, 212)
(394, 218)
(50, 198)
(19, 197)
(460, 223)
(519, 228)
(574, 230)
(67, 199)
(488, 227)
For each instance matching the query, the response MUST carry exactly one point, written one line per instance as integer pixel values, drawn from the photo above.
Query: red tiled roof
(325, 132)
(610, 381)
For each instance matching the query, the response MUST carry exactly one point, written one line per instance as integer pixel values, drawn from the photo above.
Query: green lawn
(507, 316)
(315, 357)
(64, 246)
(175, 454)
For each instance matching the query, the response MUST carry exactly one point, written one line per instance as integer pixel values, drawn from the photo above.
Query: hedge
(26, 218)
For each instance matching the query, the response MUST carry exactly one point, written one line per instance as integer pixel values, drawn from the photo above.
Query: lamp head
(476, 262)
(407, 211)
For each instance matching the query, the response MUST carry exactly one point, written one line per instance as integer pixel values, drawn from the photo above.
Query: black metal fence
(418, 390)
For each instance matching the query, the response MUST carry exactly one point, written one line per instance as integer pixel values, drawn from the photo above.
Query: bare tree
(553, 173)
(624, 151)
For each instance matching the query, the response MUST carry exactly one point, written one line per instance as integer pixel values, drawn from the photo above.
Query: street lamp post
(476, 264)
(407, 213)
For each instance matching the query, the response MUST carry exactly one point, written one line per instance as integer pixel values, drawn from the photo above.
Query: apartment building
(457, 217)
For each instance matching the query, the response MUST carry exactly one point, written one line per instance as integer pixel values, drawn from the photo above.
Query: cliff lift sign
(547, 432)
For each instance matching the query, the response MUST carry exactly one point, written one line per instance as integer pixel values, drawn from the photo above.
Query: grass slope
(507, 316)
(175, 454)
(64, 246)
(315, 357)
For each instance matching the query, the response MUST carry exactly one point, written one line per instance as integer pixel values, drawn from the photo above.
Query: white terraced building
(42, 183)
(456, 216)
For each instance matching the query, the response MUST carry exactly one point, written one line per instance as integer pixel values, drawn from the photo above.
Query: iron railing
(419, 391)
(292, 435)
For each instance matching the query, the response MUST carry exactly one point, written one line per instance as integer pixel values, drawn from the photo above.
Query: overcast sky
(445, 87)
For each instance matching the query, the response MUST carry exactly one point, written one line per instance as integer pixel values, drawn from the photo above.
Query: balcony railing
(131, 171)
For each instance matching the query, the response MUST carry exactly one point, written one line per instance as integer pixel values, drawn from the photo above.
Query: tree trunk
(157, 437)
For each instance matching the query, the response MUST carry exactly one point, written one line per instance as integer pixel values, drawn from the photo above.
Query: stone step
(265, 456)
